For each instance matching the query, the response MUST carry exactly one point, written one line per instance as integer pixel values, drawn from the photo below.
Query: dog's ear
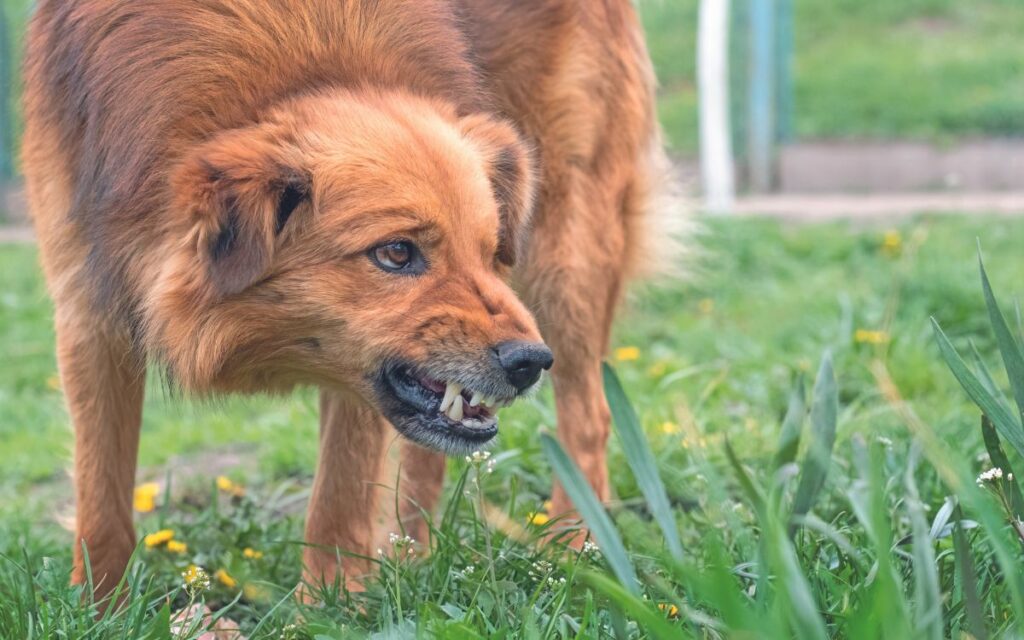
(238, 192)
(511, 173)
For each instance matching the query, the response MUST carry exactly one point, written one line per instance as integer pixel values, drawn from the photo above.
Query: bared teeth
(454, 404)
(451, 391)
(455, 412)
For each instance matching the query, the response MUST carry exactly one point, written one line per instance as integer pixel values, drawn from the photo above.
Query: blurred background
(822, 97)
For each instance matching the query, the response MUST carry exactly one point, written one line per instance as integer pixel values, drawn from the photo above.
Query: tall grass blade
(633, 605)
(800, 606)
(792, 424)
(1004, 421)
(927, 594)
(1013, 359)
(986, 379)
(824, 412)
(999, 459)
(640, 459)
(593, 513)
(968, 580)
(754, 492)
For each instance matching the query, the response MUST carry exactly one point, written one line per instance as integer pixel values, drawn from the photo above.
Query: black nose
(523, 361)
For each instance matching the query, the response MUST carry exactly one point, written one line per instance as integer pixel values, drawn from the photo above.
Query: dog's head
(360, 242)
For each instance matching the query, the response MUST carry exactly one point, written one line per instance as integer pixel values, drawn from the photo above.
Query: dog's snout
(523, 361)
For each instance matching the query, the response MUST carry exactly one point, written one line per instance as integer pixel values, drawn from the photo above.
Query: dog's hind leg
(103, 379)
(339, 526)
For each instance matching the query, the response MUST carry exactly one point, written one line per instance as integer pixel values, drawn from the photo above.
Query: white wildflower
(993, 474)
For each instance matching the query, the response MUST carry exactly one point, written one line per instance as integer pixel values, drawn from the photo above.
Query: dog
(417, 206)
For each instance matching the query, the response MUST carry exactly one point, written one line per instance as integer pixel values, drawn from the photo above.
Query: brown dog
(256, 195)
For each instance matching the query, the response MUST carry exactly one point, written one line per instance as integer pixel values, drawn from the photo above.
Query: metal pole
(784, 72)
(761, 129)
(6, 91)
(716, 160)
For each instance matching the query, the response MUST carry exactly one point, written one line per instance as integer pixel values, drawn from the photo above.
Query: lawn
(926, 69)
(705, 363)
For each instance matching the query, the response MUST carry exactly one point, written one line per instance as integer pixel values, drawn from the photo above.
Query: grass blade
(968, 580)
(640, 459)
(801, 607)
(985, 377)
(927, 594)
(754, 492)
(999, 459)
(1003, 420)
(591, 510)
(1010, 351)
(824, 412)
(789, 438)
(631, 604)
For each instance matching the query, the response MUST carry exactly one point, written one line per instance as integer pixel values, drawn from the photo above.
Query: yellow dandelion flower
(145, 497)
(540, 518)
(892, 242)
(225, 579)
(53, 382)
(177, 546)
(706, 306)
(671, 609)
(669, 427)
(226, 485)
(869, 336)
(255, 593)
(158, 538)
(251, 553)
(625, 354)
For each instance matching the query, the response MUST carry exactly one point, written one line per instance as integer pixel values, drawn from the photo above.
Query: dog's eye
(401, 256)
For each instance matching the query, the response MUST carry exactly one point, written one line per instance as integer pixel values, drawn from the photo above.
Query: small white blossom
(591, 549)
(885, 442)
(400, 541)
(993, 474)
(478, 457)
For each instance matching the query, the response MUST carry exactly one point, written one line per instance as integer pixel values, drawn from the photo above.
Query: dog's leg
(343, 504)
(104, 381)
(419, 488)
(572, 282)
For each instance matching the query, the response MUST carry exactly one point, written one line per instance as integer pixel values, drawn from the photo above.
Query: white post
(716, 159)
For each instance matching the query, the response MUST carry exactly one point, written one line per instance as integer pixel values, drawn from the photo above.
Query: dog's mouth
(445, 415)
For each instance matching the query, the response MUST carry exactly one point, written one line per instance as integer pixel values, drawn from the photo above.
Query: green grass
(924, 69)
(717, 362)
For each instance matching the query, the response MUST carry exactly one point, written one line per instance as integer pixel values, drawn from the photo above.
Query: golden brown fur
(207, 176)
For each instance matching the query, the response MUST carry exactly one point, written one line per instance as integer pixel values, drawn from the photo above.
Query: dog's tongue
(434, 385)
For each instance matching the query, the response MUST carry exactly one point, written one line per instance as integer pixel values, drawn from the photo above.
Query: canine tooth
(489, 401)
(455, 413)
(475, 400)
(451, 392)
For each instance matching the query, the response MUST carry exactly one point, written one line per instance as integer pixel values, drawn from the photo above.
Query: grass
(710, 369)
(924, 69)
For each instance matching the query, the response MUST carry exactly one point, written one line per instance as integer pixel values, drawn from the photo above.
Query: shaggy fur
(207, 177)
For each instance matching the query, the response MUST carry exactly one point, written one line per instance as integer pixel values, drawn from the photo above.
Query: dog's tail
(660, 226)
